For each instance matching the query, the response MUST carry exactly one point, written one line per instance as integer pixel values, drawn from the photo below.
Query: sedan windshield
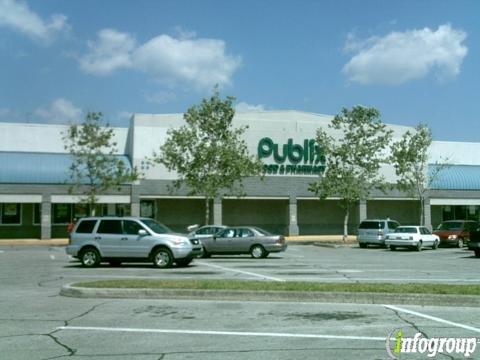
(156, 227)
(406, 230)
(450, 225)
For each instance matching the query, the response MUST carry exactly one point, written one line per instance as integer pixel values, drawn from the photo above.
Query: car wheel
(90, 257)
(115, 263)
(435, 245)
(460, 243)
(393, 247)
(162, 258)
(257, 251)
(477, 253)
(419, 246)
(362, 245)
(184, 262)
(205, 254)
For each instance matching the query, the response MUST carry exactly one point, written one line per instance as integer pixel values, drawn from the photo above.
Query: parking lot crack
(42, 283)
(93, 308)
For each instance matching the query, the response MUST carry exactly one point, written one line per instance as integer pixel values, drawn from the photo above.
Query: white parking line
(467, 327)
(241, 271)
(226, 333)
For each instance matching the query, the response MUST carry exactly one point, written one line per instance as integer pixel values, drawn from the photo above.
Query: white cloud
(111, 51)
(59, 111)
(403, 56)
(173, 61)
(161, 97)
(245, 107)
(18, 16)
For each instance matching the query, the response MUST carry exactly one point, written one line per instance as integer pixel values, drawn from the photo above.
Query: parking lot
(37, 323)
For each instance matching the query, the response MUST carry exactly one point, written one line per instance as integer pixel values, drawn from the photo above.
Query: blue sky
(416, 61)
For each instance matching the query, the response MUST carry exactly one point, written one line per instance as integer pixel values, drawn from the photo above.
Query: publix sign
(291, 158)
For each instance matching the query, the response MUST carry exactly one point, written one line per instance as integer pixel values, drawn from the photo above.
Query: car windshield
(263, 232)
(450, 225)
(156, 227)
(406, 230)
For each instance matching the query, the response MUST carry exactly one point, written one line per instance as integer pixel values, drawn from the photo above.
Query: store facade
(35, 202)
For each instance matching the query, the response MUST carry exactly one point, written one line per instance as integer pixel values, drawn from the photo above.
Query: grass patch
(202, 284)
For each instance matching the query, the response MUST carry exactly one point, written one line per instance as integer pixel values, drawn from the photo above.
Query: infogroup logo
(398, 345)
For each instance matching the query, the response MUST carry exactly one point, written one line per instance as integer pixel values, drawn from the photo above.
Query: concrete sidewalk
(34, 242)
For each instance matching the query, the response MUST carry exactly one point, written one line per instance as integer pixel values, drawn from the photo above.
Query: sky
(416, 61)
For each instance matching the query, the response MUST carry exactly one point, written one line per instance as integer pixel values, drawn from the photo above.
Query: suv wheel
(362, 245)
(477, 253)
(162, 258)
(460, 243)
(90, 257)
(393, 247)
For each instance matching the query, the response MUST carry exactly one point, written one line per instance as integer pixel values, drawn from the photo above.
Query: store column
(362, 210)
(292, 218)
(134, 201)
(427, 213)
(217, 211)
(46, 217)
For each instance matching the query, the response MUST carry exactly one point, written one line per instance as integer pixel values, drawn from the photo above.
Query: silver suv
(375, 231)
(130, 239)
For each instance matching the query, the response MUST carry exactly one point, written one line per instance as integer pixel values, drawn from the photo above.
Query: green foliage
(353, 155)
(410, 156)
(94, 162)
(208, 153)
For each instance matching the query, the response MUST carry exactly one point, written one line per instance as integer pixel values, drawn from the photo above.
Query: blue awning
(38, 168)
(455, 177)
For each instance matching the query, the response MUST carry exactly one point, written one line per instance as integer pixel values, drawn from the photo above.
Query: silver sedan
(243, 240)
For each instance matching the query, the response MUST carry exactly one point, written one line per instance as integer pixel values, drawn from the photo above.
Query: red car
(455, 232)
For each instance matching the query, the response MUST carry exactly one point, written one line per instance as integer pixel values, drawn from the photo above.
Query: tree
(94, 163)
(410, 156)
(208, 153)
(353, 157)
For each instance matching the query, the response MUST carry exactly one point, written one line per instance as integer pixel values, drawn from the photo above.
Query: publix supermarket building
(35, 202)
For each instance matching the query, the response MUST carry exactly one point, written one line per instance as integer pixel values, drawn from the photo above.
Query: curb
(291, 296)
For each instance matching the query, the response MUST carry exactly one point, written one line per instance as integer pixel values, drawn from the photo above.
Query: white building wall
(23, 137)
(150, 132)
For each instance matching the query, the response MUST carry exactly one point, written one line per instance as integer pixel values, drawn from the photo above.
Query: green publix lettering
(309, 153)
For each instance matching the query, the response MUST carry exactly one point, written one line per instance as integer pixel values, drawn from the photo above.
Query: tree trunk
(207, 210)
(345, 224)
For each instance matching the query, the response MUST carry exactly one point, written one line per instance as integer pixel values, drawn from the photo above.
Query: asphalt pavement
(37, 323)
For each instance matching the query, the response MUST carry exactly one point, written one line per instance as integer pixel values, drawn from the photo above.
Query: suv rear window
(371, 225)
(86, 226)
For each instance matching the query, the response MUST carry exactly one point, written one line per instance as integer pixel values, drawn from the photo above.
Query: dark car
(474, 243)
(243, 240)
(455, 232)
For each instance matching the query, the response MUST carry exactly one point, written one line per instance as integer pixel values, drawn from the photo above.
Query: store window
(37, 214)
(460, 212)
(122, 209)
(62, 213)
(147, 209)
(10, 214)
